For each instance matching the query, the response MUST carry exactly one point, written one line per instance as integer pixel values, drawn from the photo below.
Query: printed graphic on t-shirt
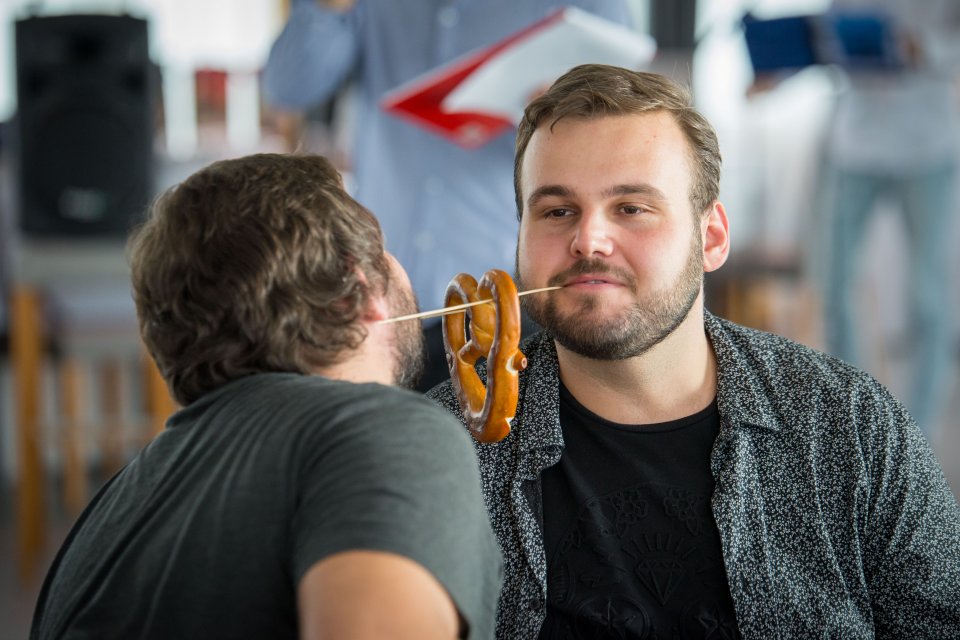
(630, 564)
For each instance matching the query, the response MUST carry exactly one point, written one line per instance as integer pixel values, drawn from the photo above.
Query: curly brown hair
(256, 264)
(595, 91)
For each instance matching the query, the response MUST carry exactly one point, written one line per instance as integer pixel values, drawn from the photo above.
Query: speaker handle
(34, 8)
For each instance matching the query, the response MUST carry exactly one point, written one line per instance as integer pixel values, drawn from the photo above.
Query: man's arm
(313, 55)
(358, 595)
(390, 526)
(912, 555)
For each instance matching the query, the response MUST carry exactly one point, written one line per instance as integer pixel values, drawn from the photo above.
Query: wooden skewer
(457, 307)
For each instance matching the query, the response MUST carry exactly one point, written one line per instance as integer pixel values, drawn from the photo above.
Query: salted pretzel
(495, 334)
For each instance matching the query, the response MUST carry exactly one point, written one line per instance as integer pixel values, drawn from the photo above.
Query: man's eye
(558, 213)
(633, 210)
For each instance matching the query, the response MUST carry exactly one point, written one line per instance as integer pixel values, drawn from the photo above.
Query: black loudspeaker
(84, 124)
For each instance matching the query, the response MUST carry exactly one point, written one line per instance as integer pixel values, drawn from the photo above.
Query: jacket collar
(743, 385)
(743, 397)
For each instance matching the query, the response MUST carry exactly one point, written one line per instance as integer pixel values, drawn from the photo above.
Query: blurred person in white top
(894, 135)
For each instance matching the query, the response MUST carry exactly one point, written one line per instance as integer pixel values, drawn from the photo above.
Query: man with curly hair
(298, 492)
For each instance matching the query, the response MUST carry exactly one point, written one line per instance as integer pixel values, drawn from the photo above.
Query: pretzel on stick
(495, 334)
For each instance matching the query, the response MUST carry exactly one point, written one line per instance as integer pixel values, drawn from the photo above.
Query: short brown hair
(594, 91)
(250, 265)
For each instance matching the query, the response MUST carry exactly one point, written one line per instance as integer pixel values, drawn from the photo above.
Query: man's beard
(409, 353)
(644, 325)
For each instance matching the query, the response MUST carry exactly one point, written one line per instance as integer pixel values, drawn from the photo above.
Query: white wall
(185, 34)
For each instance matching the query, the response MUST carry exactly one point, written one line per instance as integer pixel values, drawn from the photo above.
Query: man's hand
(763, 83)
(912, 50)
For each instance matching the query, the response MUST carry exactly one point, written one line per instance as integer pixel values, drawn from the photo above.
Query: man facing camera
(670, 474)
(297, 493)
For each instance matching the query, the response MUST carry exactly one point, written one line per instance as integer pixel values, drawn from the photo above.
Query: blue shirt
(443, 209)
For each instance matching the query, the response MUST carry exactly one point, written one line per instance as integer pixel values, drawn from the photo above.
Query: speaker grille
(84, 124)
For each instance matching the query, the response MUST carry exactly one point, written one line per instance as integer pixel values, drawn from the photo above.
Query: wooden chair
(766, 290)
(43, 428)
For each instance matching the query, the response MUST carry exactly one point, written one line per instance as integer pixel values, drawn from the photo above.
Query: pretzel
(494, 333)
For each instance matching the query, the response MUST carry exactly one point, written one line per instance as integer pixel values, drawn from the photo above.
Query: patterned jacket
(835, 517)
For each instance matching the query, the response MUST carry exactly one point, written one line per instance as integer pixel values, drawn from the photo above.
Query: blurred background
(97, 116)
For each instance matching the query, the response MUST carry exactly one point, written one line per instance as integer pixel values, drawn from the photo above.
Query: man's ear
(375, 308)
(715, 233)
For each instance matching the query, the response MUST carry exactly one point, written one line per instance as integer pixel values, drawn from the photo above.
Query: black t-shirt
(632, 547)
(208, 531)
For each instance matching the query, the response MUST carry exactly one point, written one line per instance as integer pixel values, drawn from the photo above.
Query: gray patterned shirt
(835, 517)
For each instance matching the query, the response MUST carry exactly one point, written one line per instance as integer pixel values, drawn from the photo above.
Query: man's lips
(591, 280)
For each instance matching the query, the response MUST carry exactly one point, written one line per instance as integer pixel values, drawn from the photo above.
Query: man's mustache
(593, 267)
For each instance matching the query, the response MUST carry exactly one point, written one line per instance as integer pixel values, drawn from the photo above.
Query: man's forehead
(603, 138)
(649, 125)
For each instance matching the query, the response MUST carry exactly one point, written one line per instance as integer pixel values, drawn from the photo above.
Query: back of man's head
(255, 264)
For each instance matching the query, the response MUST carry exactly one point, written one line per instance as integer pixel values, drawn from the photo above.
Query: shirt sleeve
(402, 477)
(912, 561)
(312, 56)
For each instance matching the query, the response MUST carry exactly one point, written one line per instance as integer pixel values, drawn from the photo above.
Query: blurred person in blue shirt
(444, 209)
(894, 134)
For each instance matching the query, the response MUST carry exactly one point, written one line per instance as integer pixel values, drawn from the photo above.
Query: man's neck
(370, 361)
(674, 379)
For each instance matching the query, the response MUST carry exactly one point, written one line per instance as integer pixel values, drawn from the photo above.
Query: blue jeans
(926, 201)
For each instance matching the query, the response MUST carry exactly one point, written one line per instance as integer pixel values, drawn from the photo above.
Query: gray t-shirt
(208, 531)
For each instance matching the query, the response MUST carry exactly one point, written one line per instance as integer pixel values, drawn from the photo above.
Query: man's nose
(592, 236)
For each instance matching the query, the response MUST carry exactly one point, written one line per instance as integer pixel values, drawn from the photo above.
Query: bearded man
(298, 493)
(670, 474)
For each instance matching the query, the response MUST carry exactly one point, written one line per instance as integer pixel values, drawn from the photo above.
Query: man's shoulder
(444, 395)
(320, 390)
(765, 373)
(743, 348)
(314, 405)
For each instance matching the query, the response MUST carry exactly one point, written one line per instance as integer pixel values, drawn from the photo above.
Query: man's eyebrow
(633, 189)
(641, 189)
(547, 191)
